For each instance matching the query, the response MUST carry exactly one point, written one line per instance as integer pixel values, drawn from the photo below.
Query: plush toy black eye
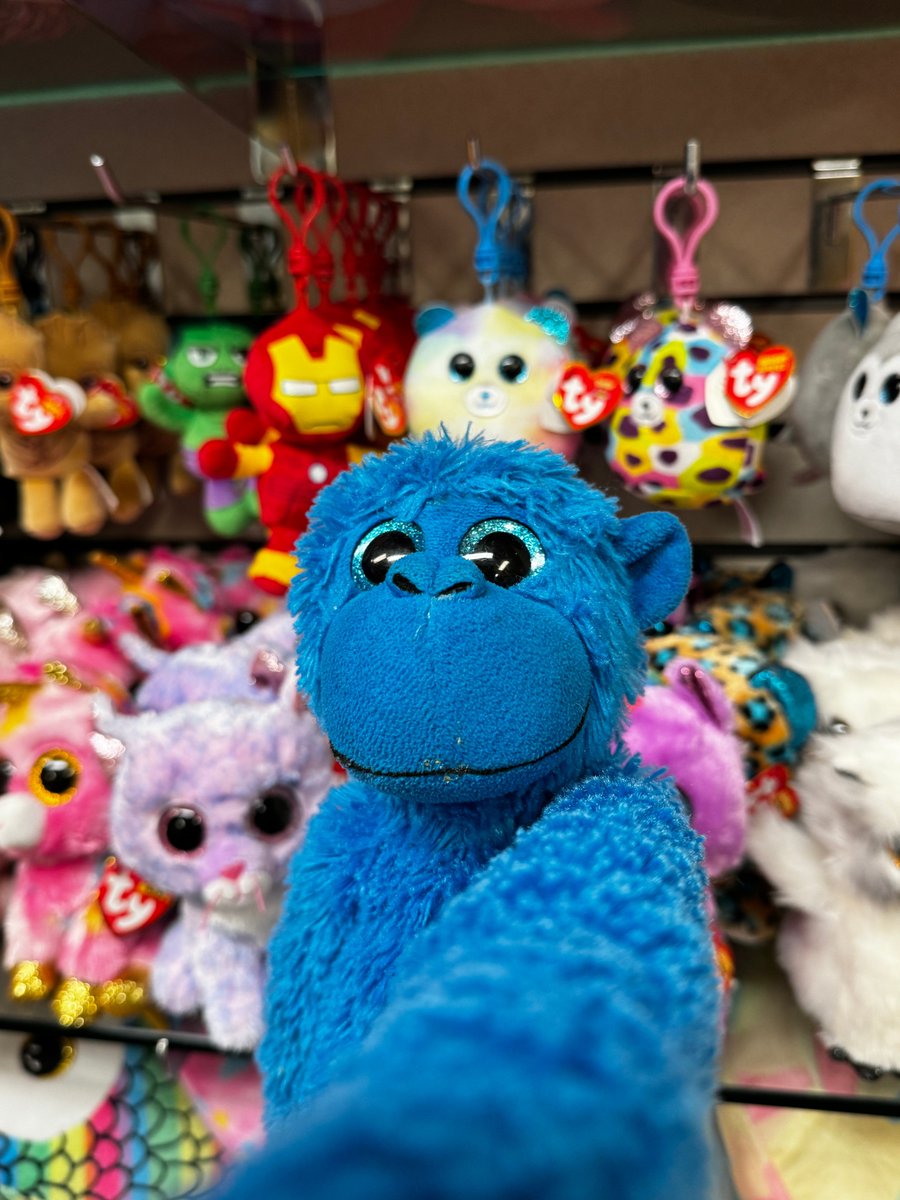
(181, 829)
(46, 1053)
(273, 812)
(6, 379)
(838, 725)
(503, 550)
(513, 369)
(6, 774)
(87, 382)
(848, 774)
(462, 366)
(633, 379)
(859, 385)
(671, 379)
(140, 363)
(381, 547)
(245, 619)
(58, 776)
(890, 388)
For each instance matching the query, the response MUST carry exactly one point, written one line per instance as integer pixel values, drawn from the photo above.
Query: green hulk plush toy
(194, 396)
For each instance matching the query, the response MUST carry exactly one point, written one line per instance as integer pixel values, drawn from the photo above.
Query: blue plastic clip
(487, 203)
(875, 272)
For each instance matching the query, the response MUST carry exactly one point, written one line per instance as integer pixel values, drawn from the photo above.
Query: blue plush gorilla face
(470, 617)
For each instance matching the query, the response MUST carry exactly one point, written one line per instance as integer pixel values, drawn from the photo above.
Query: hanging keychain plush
(699, 388)
(305, 381)
(496, 367)
(200, 387)
(843, 342)
(865, 440)
(42, 447)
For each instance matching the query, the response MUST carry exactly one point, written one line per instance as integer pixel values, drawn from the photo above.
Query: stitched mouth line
(453, 772)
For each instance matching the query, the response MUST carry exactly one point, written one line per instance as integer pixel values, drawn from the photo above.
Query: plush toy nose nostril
(462, 586)
(405, 585)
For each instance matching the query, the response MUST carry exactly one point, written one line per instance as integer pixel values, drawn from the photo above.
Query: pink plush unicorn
(687, 727)
(54, 825)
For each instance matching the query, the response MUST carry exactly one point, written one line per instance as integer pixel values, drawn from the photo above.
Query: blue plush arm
(551, 1035)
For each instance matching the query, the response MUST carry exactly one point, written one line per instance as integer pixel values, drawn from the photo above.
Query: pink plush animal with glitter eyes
(54, 825)
(211, 800)
(687, 727)
(49, 617)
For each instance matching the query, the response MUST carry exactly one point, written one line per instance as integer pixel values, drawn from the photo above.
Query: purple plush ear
(267, 670)
(705, 693)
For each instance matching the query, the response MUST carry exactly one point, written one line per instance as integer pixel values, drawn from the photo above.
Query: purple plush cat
(211, 800)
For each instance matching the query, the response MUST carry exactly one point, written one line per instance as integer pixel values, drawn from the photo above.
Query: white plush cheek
(22, 822)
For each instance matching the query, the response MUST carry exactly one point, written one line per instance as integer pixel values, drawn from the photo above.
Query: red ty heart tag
(39, 404)
(759, 383)
(384, 396)
(772, 786)
(586, 398)
(125, 410)
(128, 903)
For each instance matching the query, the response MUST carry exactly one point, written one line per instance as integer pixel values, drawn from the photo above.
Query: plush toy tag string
(875, 272)
(684, 276)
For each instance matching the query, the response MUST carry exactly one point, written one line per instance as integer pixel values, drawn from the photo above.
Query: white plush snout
(22, 821)
(486, 400)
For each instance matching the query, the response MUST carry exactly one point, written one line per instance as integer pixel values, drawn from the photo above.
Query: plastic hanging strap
(10, 292)
(684, 276)
(208, 280)
(475, 188)
(301, 260)
(515, 226)
(72, 290)
(875, 272)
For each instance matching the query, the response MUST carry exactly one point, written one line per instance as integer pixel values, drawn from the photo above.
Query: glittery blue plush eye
(513, 369)
(505, 551)
(378, 550)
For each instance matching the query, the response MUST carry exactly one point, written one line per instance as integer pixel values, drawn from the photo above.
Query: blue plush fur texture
(492, 976)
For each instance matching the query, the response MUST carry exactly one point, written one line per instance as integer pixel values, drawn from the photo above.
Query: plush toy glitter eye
(201, 356)
(671, 379)
(6, 773)
(890, 388)
(633, 378)
(54, 777)
(381, 547)
(274, 812)
(503, 550)
(46, 1053)
(513, 369)
(181, 829)
(462, 366)
(859, 385)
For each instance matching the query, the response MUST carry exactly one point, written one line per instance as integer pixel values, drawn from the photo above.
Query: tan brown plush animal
(142, 339)
(79, 347)
(58, 490)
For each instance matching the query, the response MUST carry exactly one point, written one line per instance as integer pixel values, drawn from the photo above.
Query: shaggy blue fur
(573, 955)
(551, 1035)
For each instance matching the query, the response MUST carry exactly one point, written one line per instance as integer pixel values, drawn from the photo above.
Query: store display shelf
(162, 1039)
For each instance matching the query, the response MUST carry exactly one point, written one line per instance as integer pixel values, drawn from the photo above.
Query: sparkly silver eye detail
(505, 551)
(378, 550)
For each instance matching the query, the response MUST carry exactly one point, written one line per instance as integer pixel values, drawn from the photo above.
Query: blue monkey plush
(494, 937)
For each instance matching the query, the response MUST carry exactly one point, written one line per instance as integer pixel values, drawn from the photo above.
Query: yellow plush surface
(790, 1154)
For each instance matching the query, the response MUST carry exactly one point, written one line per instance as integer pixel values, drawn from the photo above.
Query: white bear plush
(865, 444)
(837, 868)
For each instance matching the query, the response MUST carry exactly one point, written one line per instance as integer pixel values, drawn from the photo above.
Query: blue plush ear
(431, 317)
(657, 555)
(554, 322)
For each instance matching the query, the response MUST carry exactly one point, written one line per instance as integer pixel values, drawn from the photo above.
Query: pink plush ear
(705, 693)
(267, 670)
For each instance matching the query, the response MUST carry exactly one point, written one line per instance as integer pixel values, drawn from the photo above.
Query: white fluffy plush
(855, 678)
(837, 869)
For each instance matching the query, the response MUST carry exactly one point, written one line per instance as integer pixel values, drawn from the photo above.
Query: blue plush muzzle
(447, 686)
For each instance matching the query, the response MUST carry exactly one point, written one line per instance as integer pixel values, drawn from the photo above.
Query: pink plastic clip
(684, 277)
